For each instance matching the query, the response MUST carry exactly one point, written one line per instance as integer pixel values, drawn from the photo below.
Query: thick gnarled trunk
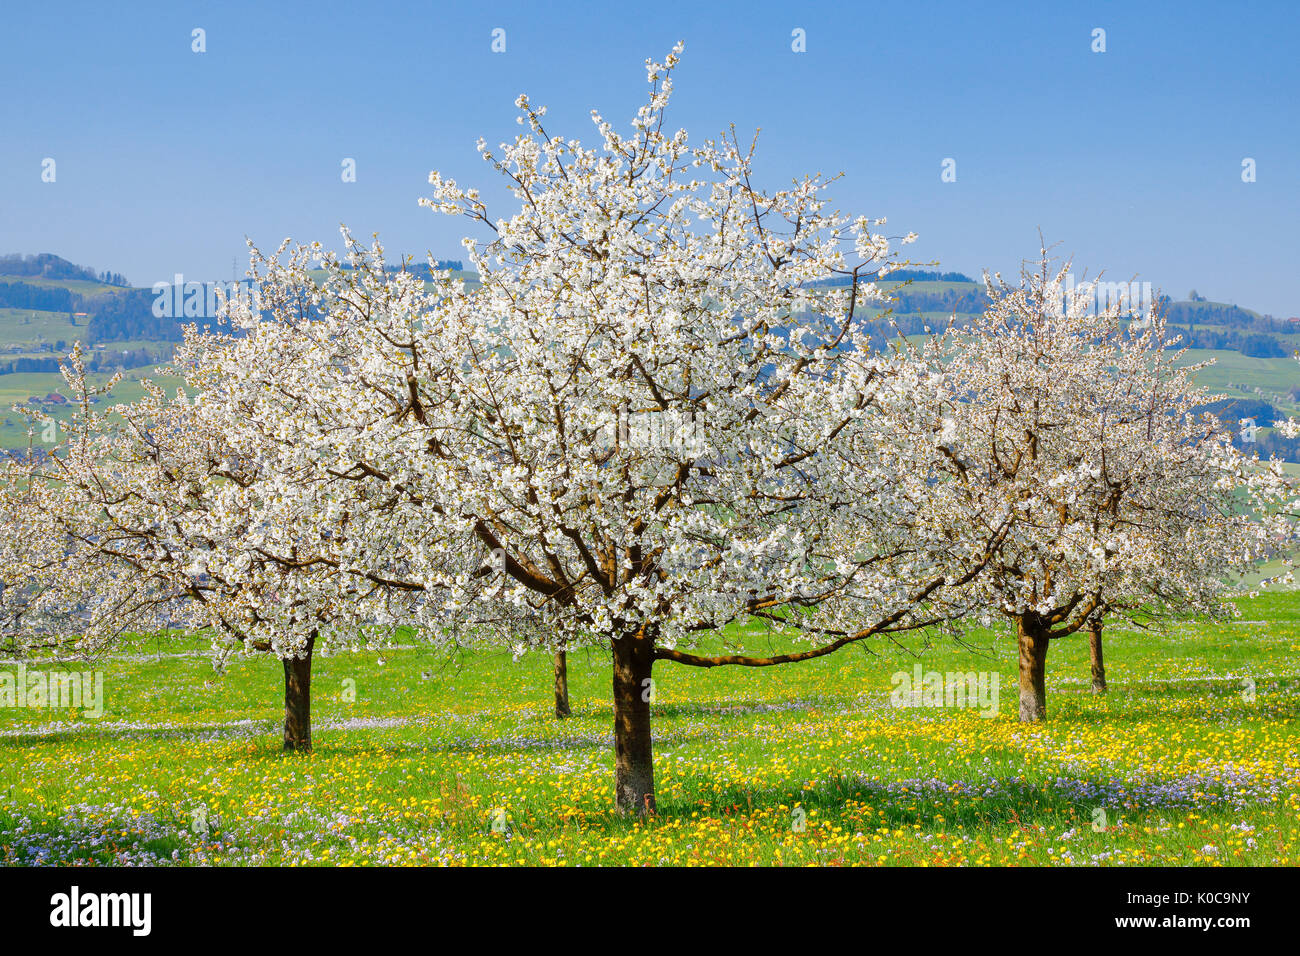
(1031, 635)
(634, 781)
(297, 700)
(1098, 663)
(561, 684)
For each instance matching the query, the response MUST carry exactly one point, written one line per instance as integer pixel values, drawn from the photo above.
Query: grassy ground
(1239, 376)
(87, 287)
(458, 760)
(18, 388)
(28, 326)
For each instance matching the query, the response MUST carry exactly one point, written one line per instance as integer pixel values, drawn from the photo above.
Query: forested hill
(46, 285)
(47, 303)
(48, 266)
(116, 312)
(933, 300)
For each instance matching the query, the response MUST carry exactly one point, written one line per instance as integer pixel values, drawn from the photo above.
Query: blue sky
(1131, 158)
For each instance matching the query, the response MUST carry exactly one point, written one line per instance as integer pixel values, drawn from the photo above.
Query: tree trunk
(1098, 665)
(1031, 634)
(634, 780)
(561, 685)
(297, 700)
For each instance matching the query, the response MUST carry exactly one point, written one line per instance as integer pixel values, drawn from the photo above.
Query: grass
(31, 327)
(86, 287)
(430, 751)
(18, 388)
(1240, 376)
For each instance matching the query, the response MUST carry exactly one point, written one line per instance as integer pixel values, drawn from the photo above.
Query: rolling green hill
(924, 300)
(31, 328)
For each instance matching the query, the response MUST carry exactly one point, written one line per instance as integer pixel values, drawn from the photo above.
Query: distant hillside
(47, 302)
(46, 265)
(129, 317)
(424, 271)
(45, 286)
(41, 298)
(33, 288)
(46, 283)
(924, 299)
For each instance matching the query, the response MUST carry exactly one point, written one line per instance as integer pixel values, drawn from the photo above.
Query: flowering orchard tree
(61, 591)
(651, 417)
(1285, 497)
(648, 421)
(160, 512)
(1081, 431)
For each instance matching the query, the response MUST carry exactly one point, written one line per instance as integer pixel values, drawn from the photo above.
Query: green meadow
(429, 757)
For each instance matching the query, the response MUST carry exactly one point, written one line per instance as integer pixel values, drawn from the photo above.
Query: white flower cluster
(362, 451)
